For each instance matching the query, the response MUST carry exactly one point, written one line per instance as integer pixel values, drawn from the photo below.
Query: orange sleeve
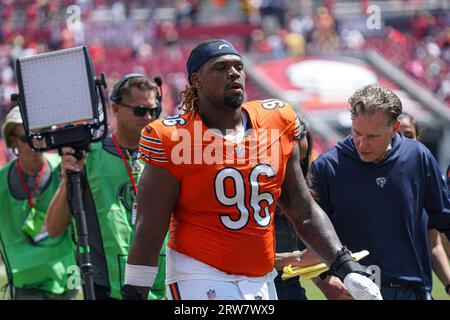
(299, 129)
(151, 148)
(295, 130)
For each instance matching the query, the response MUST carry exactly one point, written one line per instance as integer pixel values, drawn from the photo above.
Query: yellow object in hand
(315, 270)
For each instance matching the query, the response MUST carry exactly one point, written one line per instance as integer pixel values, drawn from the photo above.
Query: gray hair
(373, 98)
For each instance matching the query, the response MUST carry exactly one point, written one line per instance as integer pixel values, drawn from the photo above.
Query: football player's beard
(234, 101)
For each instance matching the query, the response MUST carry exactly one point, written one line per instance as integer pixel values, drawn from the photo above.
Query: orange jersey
(228, 191)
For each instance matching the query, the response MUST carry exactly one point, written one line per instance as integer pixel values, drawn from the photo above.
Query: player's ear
(195, 80)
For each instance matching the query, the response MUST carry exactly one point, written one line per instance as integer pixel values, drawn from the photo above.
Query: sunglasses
(22, 139)
(140, 111)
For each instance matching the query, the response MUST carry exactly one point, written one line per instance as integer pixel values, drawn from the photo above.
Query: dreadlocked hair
(189, 99)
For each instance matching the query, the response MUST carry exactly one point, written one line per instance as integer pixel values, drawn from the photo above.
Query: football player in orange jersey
(215, 175)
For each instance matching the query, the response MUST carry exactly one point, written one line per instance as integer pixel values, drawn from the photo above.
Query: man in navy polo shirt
(374, 186)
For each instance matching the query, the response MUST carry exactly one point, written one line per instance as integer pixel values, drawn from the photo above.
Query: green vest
(43, 265)
(158, 290)
(110, 186)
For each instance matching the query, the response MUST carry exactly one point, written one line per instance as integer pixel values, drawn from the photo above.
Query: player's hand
(69, 162)
(333, 288)
(361, 287)
(294, 258)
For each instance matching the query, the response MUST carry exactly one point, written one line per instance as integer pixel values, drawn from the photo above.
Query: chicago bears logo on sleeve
(300, 128)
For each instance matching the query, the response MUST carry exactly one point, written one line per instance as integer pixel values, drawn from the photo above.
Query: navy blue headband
(207, 50)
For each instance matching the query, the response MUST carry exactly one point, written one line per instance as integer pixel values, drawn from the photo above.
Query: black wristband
(129, 292)
(447, 288)
(325, 274)
(344, 264)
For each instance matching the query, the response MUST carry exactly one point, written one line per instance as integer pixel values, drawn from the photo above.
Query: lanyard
(125, 162)
(25, 187)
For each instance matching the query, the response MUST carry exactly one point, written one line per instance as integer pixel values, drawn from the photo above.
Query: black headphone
(115, 93)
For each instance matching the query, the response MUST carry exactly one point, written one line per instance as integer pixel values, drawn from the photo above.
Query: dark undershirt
(16, 187)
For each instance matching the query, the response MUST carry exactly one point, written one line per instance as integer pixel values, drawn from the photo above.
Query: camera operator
(110, 175)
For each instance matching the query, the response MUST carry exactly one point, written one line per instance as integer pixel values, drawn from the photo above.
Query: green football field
(312, 292)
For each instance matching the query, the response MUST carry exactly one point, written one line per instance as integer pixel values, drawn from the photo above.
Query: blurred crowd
(430, 60)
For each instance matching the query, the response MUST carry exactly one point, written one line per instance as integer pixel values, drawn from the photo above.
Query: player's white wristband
(141, 276)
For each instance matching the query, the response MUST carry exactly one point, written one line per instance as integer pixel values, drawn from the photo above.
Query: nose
(362, 144)
(233, 73)
(148, 116)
